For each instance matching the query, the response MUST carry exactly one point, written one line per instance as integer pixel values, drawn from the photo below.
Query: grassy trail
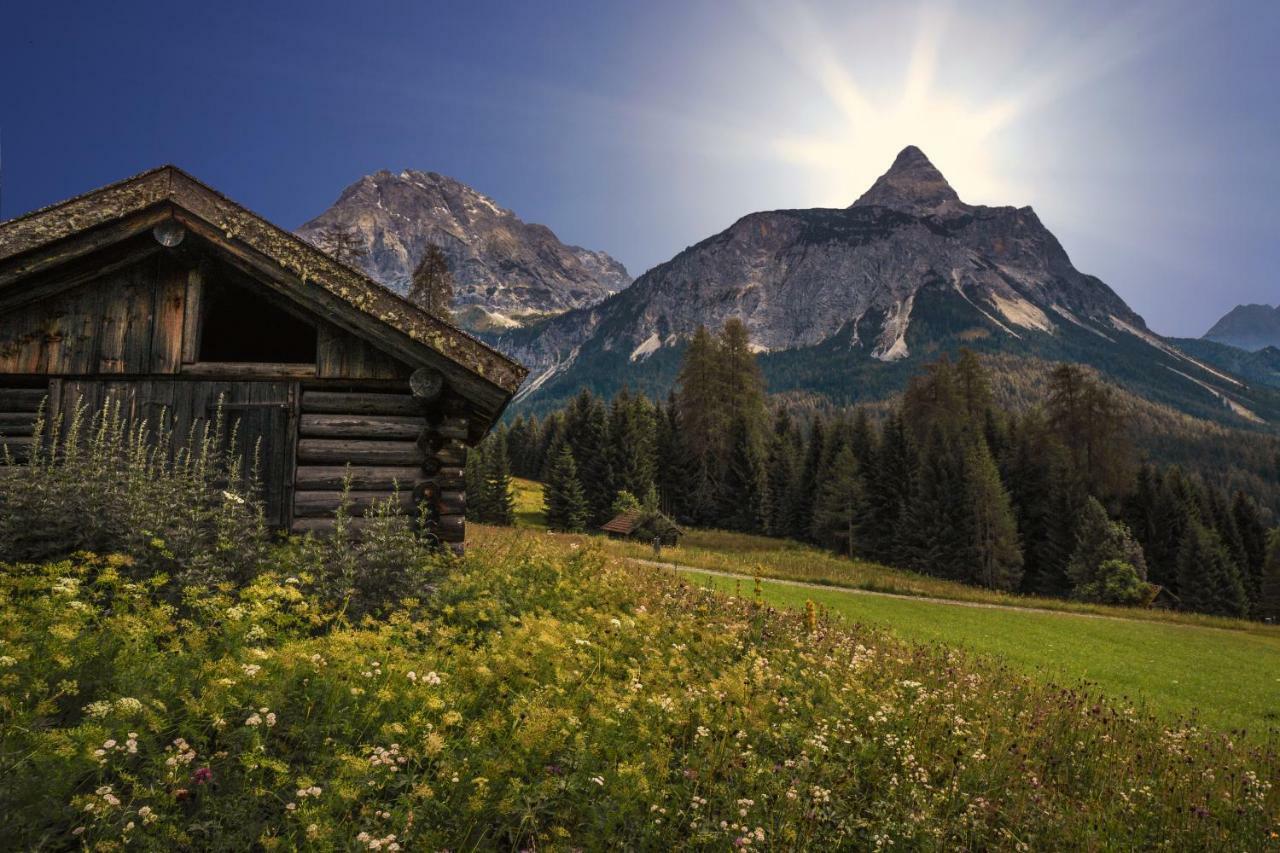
(1226, 679)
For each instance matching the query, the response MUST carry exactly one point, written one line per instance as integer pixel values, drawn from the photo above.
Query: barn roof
(53, 235)
(624, 523)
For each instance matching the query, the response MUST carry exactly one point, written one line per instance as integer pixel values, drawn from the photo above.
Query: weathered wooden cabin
(165, 295)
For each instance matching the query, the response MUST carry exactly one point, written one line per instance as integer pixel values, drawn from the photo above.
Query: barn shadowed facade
(164, 295)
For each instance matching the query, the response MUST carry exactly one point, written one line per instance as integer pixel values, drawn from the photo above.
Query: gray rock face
(504, 269)
(1248, 327)
(797, 277)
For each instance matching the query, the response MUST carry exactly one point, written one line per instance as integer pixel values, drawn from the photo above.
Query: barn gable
(163, 293)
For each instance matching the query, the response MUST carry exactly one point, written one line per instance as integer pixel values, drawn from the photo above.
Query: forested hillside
(1012, 475)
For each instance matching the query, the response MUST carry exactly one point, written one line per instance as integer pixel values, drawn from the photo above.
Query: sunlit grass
(1227, 680)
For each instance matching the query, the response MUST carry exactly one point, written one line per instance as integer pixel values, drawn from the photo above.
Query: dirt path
(680, 567)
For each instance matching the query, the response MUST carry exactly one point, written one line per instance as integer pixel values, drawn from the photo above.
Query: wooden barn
(165, 295)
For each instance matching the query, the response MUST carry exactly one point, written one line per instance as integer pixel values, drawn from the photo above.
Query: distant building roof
(624, 524)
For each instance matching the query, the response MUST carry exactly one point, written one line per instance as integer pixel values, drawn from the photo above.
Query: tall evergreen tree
(431, 286)
(998, 558)
(563, 498)
(631, 443)
(1268, 606)
(807, 486)
(743, 488)
(1208, 581)
(1253, 539)
(838, 511)
(587, 432)
(1087, 419)
(940, 520)
(888, 495)
(499, 503)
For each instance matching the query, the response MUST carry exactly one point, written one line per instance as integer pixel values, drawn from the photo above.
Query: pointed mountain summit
(912, 185)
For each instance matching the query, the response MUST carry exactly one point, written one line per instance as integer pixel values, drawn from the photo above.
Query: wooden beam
(359, 426)
(325, 504)
(192, 311)
(356, 403)
(324, 451)
(248, 370)
(363, 477)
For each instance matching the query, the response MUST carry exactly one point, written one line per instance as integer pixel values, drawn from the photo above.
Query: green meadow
(1222, 678)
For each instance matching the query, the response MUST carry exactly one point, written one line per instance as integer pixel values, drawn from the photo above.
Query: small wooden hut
(639, 523)
(163, 294)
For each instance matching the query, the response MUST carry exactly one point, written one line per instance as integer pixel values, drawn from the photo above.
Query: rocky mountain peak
(506, 271)
(912, 185)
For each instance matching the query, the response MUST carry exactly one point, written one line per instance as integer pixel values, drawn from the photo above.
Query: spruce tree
(1253, 537)
(1268, 606)
(473, 478)
(564, 501)
(631, 443)
(1208, 582)
(499, 503)
(940, 520)
(807, 485)
(702, 423)
(431, 286)
(889, 495)
(838, 511)
(998, 558)
(587, 432)
(742, 501)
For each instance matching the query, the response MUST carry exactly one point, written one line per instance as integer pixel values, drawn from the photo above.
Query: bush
(1117, 582)
(190, 511)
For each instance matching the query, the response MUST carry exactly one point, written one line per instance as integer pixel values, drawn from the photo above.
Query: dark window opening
(240, 325)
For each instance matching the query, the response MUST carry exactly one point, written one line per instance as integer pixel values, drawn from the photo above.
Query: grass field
(1227, 679)
(1226, 672)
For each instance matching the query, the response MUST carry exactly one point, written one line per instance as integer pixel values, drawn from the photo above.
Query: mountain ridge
(908, 271)
(506, 271)
(1248, 327)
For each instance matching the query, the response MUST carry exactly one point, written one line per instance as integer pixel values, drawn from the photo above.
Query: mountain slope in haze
(847, 302)
(1248, 327)
(1261, 366)
(505, 270)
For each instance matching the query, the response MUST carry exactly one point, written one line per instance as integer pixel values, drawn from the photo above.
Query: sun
(863, 132)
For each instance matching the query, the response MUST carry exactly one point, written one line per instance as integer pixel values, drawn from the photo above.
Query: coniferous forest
(1054, 499)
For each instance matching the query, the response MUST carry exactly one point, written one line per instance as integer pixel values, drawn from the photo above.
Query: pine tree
(838, 510)
(631, 443)
(1268, 606)
(995, 530)
(1088, 421)
(940, 533)
(587, 433)
(473, 478)
(563, 499)
(702, 423)
(1208, 582)
(807, 485)
(781, 474)
(889, 496)
(499, 503)
(431, 287)
(1253, 537)
(742, 504)
(343, 243)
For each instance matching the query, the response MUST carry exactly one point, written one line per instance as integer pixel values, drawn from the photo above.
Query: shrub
(190, 510)
(1117, 582)
(105, 483)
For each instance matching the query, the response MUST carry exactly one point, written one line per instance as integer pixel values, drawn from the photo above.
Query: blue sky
(1147, 136)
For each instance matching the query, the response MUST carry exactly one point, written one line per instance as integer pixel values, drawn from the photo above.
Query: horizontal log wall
(379, 444)
(20, 406)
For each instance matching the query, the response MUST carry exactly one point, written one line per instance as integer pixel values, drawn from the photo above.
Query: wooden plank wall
(144, 320)
(20, 405)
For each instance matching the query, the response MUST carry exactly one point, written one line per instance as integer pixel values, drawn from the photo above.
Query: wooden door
(259, 418)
